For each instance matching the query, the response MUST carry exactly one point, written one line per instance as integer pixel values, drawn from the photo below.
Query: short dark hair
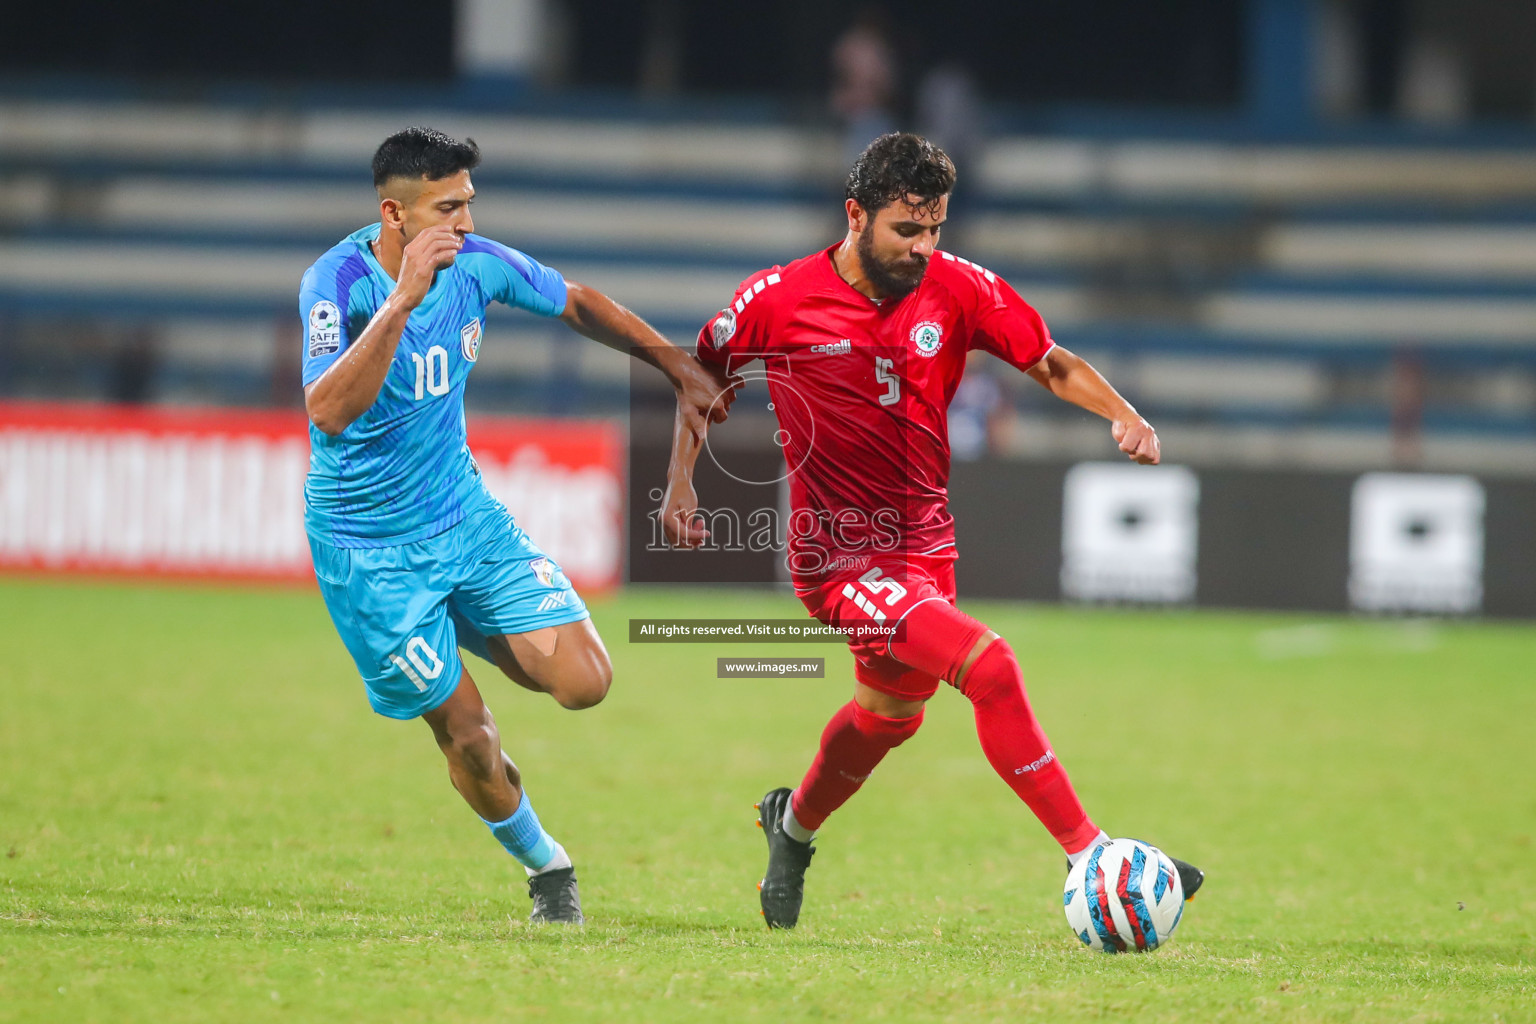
(898, 165)
(419, 152)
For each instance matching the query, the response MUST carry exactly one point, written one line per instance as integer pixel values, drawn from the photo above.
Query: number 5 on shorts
(877, 582)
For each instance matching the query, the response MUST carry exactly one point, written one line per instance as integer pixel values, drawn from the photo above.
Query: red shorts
(906, 634)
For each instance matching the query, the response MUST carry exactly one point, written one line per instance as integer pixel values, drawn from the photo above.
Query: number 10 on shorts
(423, 662)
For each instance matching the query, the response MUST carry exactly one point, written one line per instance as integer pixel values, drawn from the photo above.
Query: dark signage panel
(1390, 543)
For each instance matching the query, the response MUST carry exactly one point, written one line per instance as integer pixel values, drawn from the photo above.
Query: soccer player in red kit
(864, 345)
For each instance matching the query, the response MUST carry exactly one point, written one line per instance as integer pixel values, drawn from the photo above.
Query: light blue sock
(524, 837)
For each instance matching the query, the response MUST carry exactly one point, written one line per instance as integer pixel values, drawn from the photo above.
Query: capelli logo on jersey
(927, 336)
(469, 340)
(834, 348)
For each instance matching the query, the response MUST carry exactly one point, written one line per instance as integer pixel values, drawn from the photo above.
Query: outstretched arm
(703, 394)
(1071, 378)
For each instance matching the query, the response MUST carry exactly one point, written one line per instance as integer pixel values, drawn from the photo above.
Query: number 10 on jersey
(431, 372)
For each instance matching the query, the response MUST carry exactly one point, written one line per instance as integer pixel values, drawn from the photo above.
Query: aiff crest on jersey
(469, 339)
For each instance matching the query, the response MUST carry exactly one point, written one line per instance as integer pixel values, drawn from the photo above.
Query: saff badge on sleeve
(324, 329)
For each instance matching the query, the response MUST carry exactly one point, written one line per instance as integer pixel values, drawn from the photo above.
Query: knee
(891, 732)
(474, 748)
(994, 673)
(588, 686)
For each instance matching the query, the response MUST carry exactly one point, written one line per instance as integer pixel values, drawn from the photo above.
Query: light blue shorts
(404, 611)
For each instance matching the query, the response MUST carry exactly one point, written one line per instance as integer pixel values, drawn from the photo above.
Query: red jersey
(861, 390)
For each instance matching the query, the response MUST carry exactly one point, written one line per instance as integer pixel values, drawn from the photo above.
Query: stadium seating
(1230, 287)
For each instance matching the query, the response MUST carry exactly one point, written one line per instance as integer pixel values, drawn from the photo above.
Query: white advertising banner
(1129, 533)
(1416, 543)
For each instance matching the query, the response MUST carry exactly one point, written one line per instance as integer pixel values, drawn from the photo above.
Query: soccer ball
(1124, 897)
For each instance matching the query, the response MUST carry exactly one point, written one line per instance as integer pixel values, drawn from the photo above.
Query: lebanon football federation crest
(469, 340)
(927, 336)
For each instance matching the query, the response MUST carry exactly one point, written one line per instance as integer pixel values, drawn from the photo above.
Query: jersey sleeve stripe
(507, 256)
(983, 271)
(352, 270)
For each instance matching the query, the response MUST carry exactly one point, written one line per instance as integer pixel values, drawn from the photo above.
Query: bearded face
(895, 275)
(896, 243)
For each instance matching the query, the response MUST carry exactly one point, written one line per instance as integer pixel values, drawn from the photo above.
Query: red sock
(1018, 750)
(852, 745)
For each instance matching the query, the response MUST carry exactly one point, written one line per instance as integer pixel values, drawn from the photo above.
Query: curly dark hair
(898, 165)
(419, 152)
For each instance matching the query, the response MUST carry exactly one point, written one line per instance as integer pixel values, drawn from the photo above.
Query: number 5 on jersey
(885, 373)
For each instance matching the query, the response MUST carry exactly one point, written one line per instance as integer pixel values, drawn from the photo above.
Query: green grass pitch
(201, 820)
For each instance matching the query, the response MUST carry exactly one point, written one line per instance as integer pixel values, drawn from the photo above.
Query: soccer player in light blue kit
(414, 557)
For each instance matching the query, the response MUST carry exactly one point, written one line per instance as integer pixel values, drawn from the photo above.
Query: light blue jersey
(402, 470)
(414, 557)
